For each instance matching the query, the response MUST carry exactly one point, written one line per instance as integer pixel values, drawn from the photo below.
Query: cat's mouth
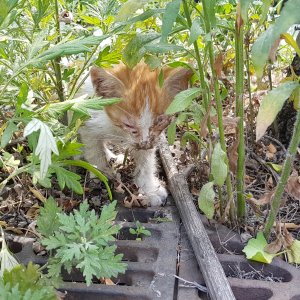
(144, 146)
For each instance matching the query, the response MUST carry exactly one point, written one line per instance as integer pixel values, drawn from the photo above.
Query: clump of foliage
(80, 240)
(139, 231)
(25, 283)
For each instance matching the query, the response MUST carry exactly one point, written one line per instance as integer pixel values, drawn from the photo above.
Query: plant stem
(203, 85)
(239, 73)
(218, 102)
(251, 108)
(286, 170)
(56, 65)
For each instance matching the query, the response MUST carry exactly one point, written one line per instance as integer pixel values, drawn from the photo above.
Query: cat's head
(141, 113)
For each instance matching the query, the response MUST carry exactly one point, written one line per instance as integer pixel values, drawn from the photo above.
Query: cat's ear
(177, 81)
(106, 84)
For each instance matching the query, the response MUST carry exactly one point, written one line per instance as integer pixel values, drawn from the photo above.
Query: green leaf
(244, 9)
(47, 221)
(83, 241)
(183, 100)
(82, 105)
(69, 179)
(263, 45)
(169, 18)
(130, 7)
(8, 132)
(152, 61)
(219, 168)
(171, 133)
(271, 105)
(276, 167)
(25, 283)
(89, 167)
(206, 200)
(254, 249)
(68, 150)
(135, 49)
(265, 8)
(293, 253)
(76, 46)
(196, 30)
(162, 48)
(46, 143)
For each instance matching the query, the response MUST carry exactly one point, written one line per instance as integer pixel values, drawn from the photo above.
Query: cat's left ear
(106, 84)
(176, 82)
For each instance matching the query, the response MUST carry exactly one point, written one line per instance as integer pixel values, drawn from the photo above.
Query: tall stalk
(56, 65)
(239, 91)
(203, 85)
(286, 170)
(251, 108)
(218, 102)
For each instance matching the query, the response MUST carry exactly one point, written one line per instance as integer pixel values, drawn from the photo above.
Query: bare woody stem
(286, 170)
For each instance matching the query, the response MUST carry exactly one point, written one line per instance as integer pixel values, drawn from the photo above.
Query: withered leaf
(274, 247)
(293, 185)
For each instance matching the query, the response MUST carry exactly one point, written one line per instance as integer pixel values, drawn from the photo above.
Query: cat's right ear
(105, 84)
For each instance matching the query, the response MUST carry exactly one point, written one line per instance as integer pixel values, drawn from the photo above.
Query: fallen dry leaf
(293, 185)
(106, 281)
(218, 65)
(37, 194)
(233, 155)
(289, 225)
(288, 239)
(266, 198)
(271, 148)
(275, 246)
(135, 201)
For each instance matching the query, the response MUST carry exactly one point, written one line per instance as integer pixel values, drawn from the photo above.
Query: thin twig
(192, 284)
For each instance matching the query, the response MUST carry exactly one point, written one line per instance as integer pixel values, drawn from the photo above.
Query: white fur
(100, 129)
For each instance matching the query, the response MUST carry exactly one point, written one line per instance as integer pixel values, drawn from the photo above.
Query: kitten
(135, 123)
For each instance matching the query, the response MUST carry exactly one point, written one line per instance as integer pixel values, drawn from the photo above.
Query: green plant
(25, 283)
(80, 240)
(139, 231)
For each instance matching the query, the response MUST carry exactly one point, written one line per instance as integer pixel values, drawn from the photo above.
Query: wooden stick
(212, 271)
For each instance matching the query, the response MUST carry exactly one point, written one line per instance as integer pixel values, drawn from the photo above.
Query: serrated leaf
(219, 168)
(47, 221)
(135, 49)
(195, 31)
(69, 149)
(254, 249)
(206, 200)
(182, 100)
(8, 132)
(169, 17)
(271, 105)
(69, 179)
(24, 283)
(46, 143)
(263, 45)
(293, 253)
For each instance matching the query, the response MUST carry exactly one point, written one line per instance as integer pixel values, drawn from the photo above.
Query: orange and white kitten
(135, 123)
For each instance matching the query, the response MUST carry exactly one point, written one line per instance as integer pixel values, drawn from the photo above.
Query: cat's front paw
(158, 197)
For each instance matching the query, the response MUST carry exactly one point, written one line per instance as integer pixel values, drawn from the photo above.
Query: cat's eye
(130, 128)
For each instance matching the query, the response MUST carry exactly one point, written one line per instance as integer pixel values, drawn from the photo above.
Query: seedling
(139, 231)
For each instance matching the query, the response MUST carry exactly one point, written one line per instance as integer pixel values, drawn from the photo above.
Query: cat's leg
(145, 177)
(95, 152)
